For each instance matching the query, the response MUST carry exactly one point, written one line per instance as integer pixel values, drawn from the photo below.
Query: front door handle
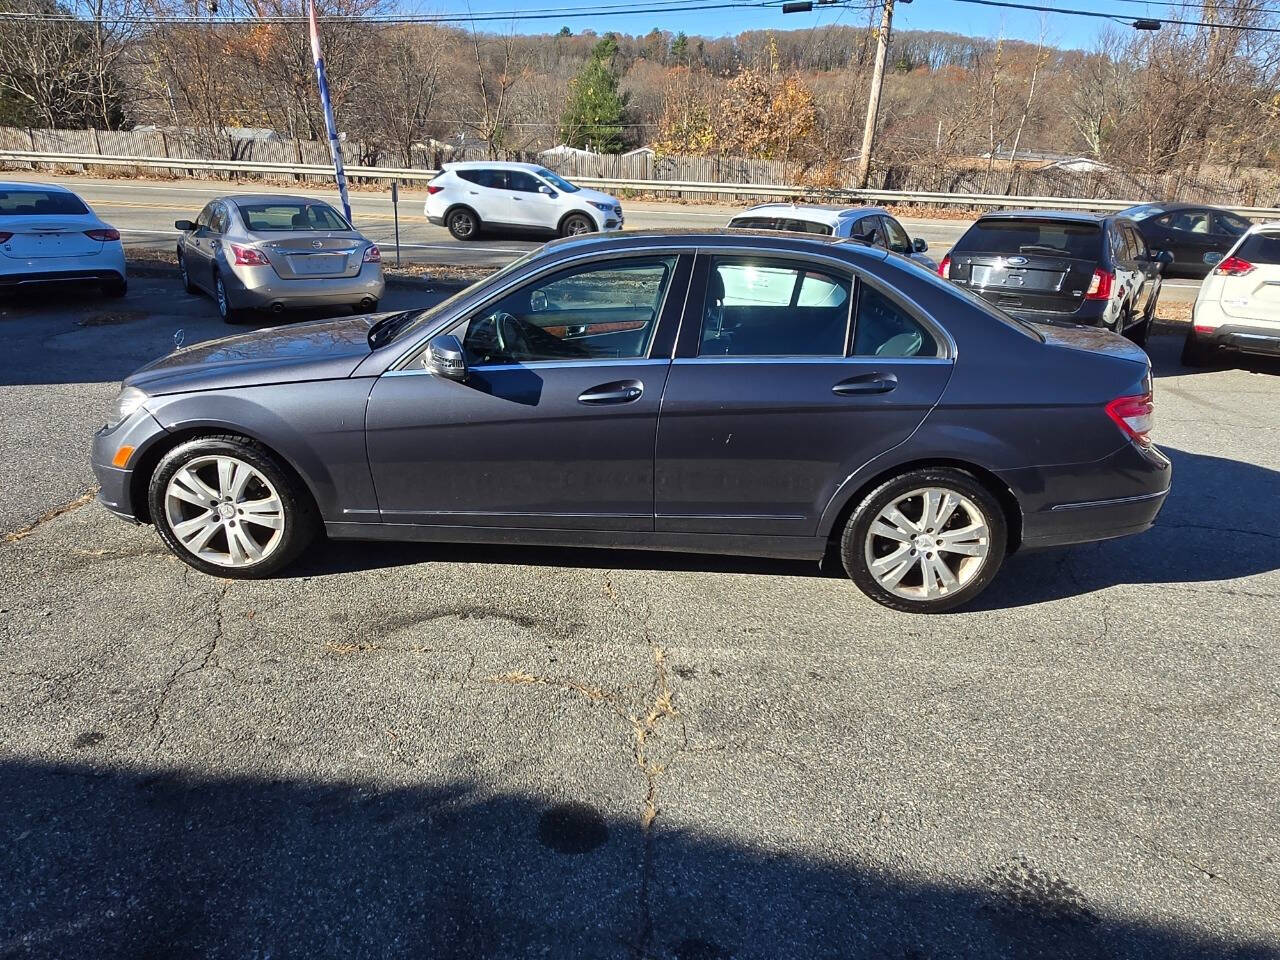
(866, 383)
(620, 391)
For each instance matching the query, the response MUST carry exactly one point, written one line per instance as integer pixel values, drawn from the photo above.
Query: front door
(555, 425)
(796, 376)
(529, 206)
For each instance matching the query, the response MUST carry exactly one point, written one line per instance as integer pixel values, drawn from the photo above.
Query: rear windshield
(283, 215)
(27, 203)
(1082, 241)
(1260, 248)
(781, 223)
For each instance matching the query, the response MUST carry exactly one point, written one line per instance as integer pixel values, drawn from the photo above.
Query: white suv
(469, 197)
(1239, 302)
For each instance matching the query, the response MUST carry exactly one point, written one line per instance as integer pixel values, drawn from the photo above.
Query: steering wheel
(508, 329)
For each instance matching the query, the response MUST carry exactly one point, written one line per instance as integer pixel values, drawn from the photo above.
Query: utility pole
(873, 100)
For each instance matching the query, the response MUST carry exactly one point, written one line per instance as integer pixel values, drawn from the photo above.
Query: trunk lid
(1254, 296)
(307, 255)
(39, 238)
(1091, 340)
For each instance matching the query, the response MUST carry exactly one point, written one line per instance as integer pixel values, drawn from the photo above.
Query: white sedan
(1238, 308)
(49, 235)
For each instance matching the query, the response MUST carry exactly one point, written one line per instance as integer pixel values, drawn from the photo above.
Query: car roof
(34, 185)
(1077, 216)
(822, 212)
(694, 237)
(491, 165)
(239, 198)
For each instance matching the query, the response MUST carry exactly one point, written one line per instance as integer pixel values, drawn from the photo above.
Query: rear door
(1191, 238)
(1029, 264)
(1254, 294)
(790, 374)
(485, 190)
(1146, 271)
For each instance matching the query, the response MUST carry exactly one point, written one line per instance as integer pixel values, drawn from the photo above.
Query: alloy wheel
(576, 226)
(220, 292)
(927, 544)
(224, 511)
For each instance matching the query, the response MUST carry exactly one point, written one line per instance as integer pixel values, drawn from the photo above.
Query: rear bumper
(1091, 313)
(106, 265)
(1246, 339)
(29, 279)
(263, 288)
(438, 221)
(1080, 503)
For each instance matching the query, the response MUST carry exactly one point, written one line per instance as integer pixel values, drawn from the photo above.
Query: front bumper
(1080, 503)
(257, 288)
(115, 484)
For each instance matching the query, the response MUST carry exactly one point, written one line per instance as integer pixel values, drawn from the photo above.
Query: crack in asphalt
(13, 536)
(208, 659)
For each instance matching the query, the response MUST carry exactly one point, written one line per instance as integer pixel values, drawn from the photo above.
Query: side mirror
(186, 226)
(446, 357)
(547, 190)
(919, 245)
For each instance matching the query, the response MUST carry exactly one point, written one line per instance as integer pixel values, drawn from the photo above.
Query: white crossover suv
(49, 235)
(1238, 308)
(478, 195)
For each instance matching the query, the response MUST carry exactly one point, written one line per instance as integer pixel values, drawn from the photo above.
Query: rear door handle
(866, 383)
(620, 391)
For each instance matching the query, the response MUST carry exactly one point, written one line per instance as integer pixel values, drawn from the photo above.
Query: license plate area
(1016, 278)
(317, 264)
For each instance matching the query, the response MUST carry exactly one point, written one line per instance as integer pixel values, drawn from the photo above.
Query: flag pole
(331, 127)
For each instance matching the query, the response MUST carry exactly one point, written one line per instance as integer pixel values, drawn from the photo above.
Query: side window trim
(941, 336)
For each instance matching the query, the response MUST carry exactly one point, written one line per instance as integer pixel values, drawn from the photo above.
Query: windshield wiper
(1055, 251)
(385, 330)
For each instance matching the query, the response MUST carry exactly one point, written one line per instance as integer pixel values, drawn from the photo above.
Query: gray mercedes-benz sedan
(761, 393)
(277, 253)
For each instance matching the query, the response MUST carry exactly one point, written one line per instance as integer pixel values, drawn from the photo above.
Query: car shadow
(1210, 529)
(1165, 350)
(112, 862)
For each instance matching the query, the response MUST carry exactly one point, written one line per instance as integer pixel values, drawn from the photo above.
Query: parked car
(869, 409)
(1061, 266)
(49, 235)
(479, 195)
(874, 225)
(276, 253)
(1238, 307)
(1197, 237)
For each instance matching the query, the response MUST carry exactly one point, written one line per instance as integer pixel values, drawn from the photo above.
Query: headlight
(124, 406)
(606, 207)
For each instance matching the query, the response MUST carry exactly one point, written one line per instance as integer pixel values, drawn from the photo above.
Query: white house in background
(263, 134)
(640, 152)
(1079, 165)
(564, 151)
(1051, 161)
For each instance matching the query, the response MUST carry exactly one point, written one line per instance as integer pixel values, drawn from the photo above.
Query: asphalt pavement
(448, 751)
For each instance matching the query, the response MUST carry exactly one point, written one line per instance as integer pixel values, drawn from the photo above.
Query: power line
(1009, 5)
(543, 13)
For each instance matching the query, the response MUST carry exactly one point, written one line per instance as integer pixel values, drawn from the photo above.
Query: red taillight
(1134, 416)
(249, 256)
(1233, 267)
(944, 268)
(5, 237)
(372, 254)
(105, 236)
(1100, 285)
(433, 189)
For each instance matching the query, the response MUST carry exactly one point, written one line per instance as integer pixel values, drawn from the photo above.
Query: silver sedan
(271, 252)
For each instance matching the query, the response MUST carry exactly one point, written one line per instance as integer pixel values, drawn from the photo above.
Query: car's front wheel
(187, 285)
(925, 541)
(227, 507)
(576, 224)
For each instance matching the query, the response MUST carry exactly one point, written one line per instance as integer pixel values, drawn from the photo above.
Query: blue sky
(948, 15)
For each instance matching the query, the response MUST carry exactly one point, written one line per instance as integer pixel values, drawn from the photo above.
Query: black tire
(1141, 333)
(115, 288)
(187, 285)
(1197, 353)
(857, 541)
(300, 521)
(463, 224)
(365, 307)
(576, 224)
(228, 313)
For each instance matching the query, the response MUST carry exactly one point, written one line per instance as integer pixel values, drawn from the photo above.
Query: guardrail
(829, 194)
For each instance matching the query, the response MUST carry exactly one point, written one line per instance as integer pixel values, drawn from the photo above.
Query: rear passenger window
(494, 179)
(763, 308)
(881, 328)
(755, 223)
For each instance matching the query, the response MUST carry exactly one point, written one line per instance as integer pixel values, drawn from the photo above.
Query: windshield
(28, 203)
(400, 325)
(1006, 235)
(557, 181)
(290, 215)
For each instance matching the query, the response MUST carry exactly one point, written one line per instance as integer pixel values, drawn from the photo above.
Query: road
(144, 211)
(493, 752)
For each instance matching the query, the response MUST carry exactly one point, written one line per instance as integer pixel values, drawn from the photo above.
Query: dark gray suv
(747, 393)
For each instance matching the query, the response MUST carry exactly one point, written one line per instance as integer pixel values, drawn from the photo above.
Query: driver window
(522, 182)
(606, 311)
(206, 215)
(883, 329)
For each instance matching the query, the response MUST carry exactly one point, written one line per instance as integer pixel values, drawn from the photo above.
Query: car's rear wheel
(925, 541)
(463, 224)
(576, 224)
(228, 313)
(227, 507)
(1198, 353)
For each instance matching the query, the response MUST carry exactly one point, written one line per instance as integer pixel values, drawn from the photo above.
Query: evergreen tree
(595, 109)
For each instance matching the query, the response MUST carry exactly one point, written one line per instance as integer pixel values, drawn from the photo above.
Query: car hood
(587, 195)
(321, 350)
